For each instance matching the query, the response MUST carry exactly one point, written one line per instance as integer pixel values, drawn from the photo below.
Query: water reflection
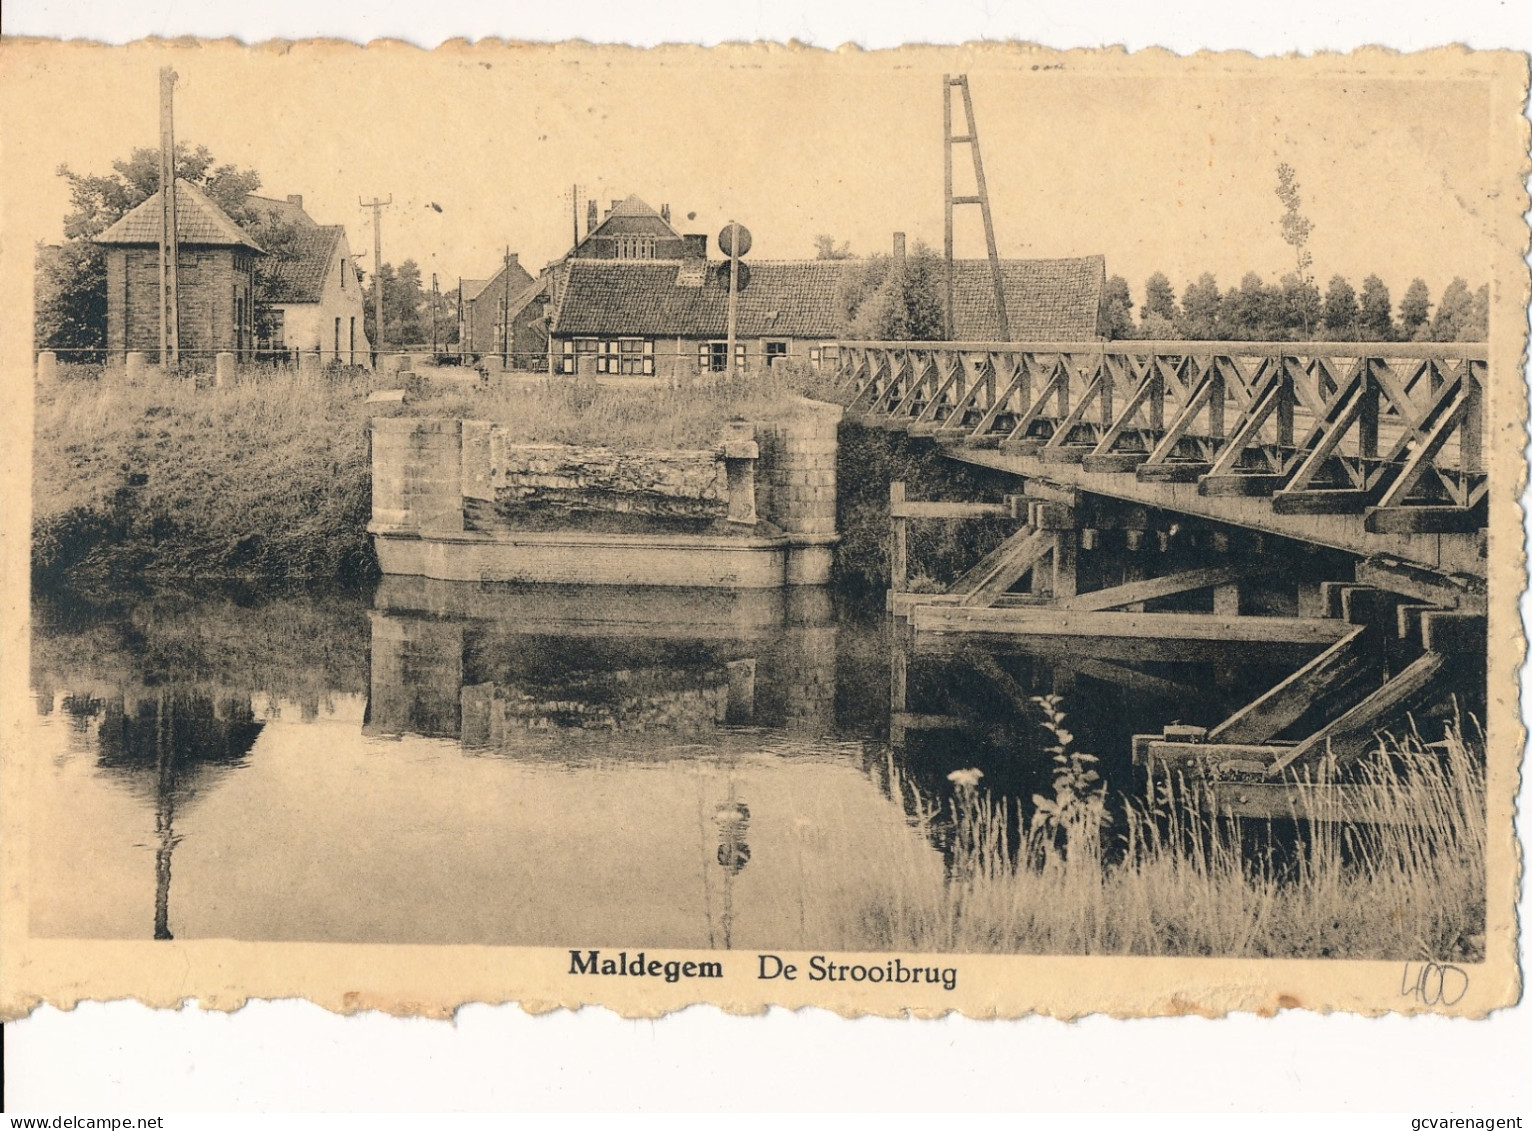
(540, 766)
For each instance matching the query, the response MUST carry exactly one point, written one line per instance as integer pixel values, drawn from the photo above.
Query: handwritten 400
(1432, 984)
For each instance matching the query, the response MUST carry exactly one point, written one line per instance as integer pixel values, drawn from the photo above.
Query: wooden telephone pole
(170, 245)
(436, 296)
(733, 294)
(981, 198)
(505, 314)
(377, 207)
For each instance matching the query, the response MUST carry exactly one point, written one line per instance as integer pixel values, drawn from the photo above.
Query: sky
(1157, 172)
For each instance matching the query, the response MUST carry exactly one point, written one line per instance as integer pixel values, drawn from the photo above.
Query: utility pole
(462, 327)
(377, 207)
(733, 291)
(436, 295)
(170, 245)
(505, 313)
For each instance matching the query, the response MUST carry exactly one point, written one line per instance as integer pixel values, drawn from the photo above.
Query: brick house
(670, 318)
(481, 313)
(631, 229)
(216, 278)
(311, 296)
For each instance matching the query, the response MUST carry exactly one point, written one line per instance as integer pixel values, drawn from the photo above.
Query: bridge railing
(1392, 430)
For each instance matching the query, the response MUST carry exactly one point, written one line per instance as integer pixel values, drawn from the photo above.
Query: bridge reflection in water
(595, 767)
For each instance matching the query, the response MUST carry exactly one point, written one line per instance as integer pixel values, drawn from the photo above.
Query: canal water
(454, 763)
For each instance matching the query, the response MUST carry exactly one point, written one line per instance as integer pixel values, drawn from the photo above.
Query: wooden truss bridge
(1324, 497)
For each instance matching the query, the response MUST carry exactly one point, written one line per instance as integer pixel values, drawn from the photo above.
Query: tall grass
(621, 412)
(1395, 872)
(170, 479)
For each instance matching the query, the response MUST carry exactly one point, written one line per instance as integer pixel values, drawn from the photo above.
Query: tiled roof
(1047, 299)
(531, 291)
(475, 288)
(287, 211)
(633, 217)
(297, 272)
(624, 297)
(198, 221)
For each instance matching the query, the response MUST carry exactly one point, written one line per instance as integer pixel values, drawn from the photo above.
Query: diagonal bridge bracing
(1371, 448)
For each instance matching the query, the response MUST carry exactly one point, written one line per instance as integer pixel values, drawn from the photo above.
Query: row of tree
(1293, 309)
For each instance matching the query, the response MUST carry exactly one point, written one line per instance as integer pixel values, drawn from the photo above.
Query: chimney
(515, 259)
(665, 213)
(590, 216)
(695, 246)
(613, 208)
(295, 198)
(899, 248)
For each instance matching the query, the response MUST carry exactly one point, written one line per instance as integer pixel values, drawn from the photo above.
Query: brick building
(216, 278)
(311, 295)
(631, 229)
(481, 313)
(670, 318)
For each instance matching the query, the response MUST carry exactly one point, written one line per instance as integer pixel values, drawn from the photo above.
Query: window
(343, 272)
(635, 247)
(775, 351)
(826, 356)
(352, 349)
(713, 357)
(626, 357)
(337, 339)
(576, 348)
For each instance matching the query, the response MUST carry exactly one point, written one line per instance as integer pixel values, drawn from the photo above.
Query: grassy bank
(162, 481)
(644, 413)
(170, 481)
(1402, 878)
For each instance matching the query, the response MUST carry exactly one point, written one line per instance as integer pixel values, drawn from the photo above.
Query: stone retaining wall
(774, 481)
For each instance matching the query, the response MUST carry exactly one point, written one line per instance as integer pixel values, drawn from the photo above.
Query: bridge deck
(1371, 448)
(1444, 553)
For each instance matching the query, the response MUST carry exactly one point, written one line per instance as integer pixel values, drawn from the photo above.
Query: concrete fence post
(308, 361)
(47, 365)
(223, 369)
(135, 365)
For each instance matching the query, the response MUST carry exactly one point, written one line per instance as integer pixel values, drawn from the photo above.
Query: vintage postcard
(976, 529)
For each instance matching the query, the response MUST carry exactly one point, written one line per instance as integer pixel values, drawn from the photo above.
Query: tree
(1377, 311)
(406, 316)
(71, 284)
(1454, 320)
(1159, 313)
(1340, 311)
(889, 301)
(825, 247)
(1249, 310)
(1298, 308)
(1115, 318)
(1414, 309)
(1200, 316)
(1478, 325)
(1296, 227)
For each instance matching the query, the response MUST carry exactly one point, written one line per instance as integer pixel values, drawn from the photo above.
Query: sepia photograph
(528, 521)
